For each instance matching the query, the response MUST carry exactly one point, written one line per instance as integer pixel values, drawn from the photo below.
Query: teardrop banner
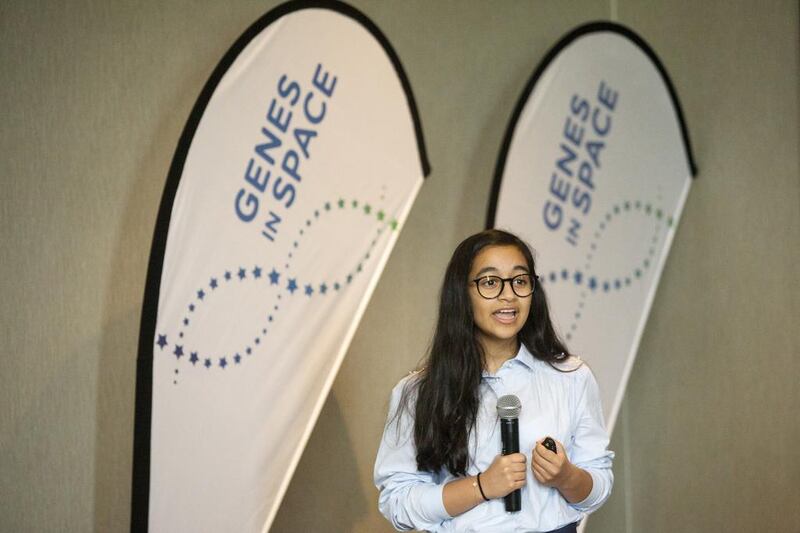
(593, 173)
(289, 186)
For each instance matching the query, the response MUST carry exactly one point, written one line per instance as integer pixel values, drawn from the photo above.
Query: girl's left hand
(550, 469)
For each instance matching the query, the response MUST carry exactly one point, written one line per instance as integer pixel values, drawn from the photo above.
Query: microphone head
(508, 406)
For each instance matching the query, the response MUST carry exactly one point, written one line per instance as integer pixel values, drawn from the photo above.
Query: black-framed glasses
(490, 287)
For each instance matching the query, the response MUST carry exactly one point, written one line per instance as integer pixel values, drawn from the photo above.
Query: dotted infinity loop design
(591, 283)
(274, 276)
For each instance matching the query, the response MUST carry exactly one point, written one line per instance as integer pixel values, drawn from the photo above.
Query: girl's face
(499, 319)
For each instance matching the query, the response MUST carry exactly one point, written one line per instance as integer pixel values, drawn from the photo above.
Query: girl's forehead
(500, 256)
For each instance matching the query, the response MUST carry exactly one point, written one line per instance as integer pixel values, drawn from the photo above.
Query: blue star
(162, 341)
(257, 340)
(227, 275)
(191, 308)
(617, 284)
(223, 363)
(605, 286)
(593, 283)
(323, 288)
(273, 277)
(309, 290)
(237, 358)
(578, 277)
(207, 364)
(257, 272)
(193, 358)
(269, 318)
(201, 294)
(178, 351)
(552, 276)
(242, 273)
(349, 278)
(185, 321)
(292, 286)
(248, 350)
(213, 283)
(336, 286)
(564, 274)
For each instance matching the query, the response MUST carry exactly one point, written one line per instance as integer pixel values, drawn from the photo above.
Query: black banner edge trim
(552, 53)
(140, 478)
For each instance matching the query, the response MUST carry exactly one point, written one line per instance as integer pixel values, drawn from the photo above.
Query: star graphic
(227, 275)
(309, 290)
(242, 273)
(327, 206)
(191, 308)
(193, 358)
(257, 272)
(162, 341)
(178, 351)
(237, 358)
(341, 203)
(248, 350)
(201, 294)
(564, 274)
(273, 277)
(336, 286)
(257, 340)
(323, 288)
(223, 363)
(316, 213)
(269, 318)
(207, 363)
(355, 204)
(593, 283)
(292, 286)
(617, 284)
(185, 321)
(359, 268)
(393, 224)
(578, 277)
(605, 286)
(349, 278)
(367, 209)
(213, 283)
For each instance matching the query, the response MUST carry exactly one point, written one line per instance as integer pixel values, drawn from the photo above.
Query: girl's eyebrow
(485, 270)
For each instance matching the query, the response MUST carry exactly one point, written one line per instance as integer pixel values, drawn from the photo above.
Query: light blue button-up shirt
(563, 405)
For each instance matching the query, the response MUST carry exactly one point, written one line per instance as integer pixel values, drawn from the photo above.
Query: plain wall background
(93, 99)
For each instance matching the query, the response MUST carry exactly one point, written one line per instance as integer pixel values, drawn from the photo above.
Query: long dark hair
(447, 386)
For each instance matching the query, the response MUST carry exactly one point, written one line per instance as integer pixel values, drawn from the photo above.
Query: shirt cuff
(431, 503)
(596, 495)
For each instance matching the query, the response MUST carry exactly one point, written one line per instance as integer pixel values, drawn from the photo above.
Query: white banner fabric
(297, 180)
(594, 178)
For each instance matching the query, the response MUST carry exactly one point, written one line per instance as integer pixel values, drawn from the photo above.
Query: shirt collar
(523, 357)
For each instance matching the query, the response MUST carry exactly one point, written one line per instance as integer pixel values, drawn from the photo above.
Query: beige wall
(93, 98)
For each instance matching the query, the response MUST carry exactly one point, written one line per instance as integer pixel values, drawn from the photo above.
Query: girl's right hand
(505, 474)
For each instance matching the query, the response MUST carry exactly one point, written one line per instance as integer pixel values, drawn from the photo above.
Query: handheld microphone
(508, 409)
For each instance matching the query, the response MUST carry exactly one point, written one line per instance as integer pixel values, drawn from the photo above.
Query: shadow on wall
(122, 309)
(335, 502)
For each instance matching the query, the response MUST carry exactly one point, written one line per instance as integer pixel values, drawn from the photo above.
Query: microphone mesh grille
(508, 406)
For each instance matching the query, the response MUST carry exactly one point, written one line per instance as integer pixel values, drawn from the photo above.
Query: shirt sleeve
(409, 499)
(590, 445)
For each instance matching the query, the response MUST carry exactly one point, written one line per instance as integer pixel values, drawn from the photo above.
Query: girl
(439, 466)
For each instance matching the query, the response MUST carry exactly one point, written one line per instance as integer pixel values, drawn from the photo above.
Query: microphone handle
(509, 433)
